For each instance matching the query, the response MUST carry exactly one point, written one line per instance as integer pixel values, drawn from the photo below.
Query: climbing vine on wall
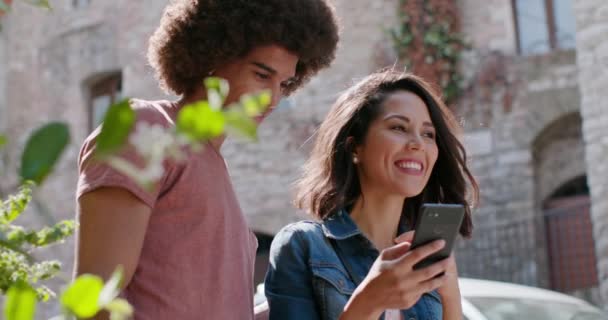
(429, 43)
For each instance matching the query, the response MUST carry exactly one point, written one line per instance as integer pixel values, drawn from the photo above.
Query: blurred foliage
(429, 43)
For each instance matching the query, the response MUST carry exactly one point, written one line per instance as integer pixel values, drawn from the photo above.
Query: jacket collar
(340, 226)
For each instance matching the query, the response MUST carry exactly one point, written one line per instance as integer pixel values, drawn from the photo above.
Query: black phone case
(437, 221)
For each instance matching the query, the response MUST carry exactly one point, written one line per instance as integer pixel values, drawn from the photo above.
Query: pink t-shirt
(198, 254)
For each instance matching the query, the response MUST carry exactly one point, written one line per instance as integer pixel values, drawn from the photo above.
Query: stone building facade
(592, 62)
(533, 123)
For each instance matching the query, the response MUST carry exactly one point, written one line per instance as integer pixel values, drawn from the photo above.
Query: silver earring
(355, 160)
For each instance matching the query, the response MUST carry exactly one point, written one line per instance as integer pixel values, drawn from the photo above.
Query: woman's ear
(351, 148)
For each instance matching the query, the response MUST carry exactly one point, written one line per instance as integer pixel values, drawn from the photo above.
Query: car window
(516, 309)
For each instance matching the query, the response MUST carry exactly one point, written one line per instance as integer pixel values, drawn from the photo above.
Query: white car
(493, 300)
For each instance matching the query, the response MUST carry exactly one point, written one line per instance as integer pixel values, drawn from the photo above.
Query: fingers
(433, 284)
(422, 281)
(405, 237)
(422, 252)
(396, 251)
(432, 271)
(402, 285)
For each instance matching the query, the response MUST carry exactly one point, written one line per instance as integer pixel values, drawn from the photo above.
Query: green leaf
(117, 125)
(111, 289)
(119, 309)
(40, 3)
(240, 123)
(20, 302)
(250, 105)
(3, 139)
(217, 90)
(432, 38)
(9, 245)
(16, 204)
(264, 99)
(81, 297)
(42, 151)
(218, 84)
(255, 104)
(49, 235)
(199, 121)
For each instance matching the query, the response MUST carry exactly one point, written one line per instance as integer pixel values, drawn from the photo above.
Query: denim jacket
(306, 278)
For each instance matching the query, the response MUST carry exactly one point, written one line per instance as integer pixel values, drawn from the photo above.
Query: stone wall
(509, 102)
(558, 154)
(489, 26)
(592, 61)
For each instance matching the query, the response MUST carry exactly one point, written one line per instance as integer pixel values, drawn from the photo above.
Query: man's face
(264, 68)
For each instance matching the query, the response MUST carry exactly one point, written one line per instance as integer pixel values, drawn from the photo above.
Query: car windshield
(516, 309)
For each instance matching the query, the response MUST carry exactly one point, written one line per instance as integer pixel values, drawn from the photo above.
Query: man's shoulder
(161, 112)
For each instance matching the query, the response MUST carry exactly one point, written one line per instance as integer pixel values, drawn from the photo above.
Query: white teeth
(410, 165)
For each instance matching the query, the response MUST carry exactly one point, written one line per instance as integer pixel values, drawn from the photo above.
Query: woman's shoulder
(302, 241)
(301, 229)
(300, 235)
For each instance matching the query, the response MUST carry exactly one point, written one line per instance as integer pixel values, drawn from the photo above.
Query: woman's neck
(378, 216)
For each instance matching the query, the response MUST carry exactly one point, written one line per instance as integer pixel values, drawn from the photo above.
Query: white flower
(151, 141)
(152, 172)
(154, 144)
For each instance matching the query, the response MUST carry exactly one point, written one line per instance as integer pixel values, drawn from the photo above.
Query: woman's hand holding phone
(392, 282)
(449, 291)
(451, 271)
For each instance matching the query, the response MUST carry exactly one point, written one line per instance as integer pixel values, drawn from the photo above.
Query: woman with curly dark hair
(387, 146)
(184, 244)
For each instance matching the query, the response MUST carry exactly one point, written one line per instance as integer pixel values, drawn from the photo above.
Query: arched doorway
(569, 232)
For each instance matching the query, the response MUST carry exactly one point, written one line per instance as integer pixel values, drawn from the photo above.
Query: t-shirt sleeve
(94, 174)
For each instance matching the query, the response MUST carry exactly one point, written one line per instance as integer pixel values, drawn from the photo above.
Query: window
(103, 93)
(544, 25)
(80, 4)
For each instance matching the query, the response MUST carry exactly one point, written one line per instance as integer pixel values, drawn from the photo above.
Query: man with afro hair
(184, 244)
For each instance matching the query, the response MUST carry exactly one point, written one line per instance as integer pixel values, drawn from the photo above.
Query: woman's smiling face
(399, 150)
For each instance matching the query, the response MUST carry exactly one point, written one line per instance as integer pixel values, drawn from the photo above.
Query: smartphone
(437, 221)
